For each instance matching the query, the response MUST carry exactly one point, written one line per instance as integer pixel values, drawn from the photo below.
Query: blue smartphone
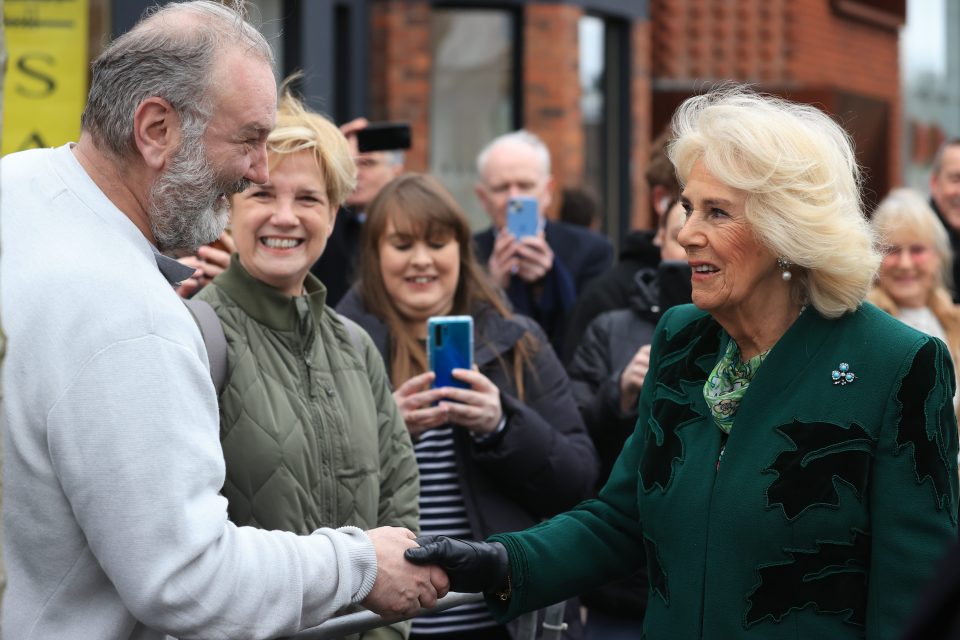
(523, 216)
(449, 347)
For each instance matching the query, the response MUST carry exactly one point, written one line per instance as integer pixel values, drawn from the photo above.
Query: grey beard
(186, 210)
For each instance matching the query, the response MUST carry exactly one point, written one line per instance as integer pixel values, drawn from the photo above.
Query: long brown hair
(418, 205)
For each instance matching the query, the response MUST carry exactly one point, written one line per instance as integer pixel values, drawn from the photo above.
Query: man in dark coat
(945, 199)
(540, 274)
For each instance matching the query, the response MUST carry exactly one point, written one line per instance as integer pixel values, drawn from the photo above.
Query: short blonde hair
(907, 209)
(297, 130)
(800, 174)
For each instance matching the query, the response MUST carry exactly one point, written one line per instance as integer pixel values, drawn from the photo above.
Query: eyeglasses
(915, 251)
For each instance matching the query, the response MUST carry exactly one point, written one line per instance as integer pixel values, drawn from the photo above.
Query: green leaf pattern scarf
(727, 383)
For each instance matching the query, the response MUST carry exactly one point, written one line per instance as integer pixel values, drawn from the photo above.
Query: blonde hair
(798, 169)
(907, 209)
(298, 129)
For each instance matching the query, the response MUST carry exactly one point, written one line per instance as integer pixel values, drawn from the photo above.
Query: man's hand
(503, 260)
(472, 566)
(402, 588)
(631, 380)
(535, 258)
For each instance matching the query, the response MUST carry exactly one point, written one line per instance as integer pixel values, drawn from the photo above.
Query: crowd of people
(747, 427)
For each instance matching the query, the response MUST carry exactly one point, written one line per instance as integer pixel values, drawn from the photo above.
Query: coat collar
(264, 303)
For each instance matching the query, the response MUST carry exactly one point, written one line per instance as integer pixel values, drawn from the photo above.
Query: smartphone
(523, 216)
(449, 347)
(383, 136)
(673, 277)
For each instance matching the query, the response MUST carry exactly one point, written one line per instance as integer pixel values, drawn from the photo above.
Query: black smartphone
(673, 277)
(383, 136)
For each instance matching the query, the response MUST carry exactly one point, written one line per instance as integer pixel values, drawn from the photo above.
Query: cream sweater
(114, 524)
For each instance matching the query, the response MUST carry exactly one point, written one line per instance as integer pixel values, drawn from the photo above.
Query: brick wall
(400, 71)
(551, 88)
(641, 215)
(801, 48)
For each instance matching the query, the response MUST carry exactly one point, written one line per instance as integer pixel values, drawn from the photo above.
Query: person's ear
(333, 220)
(156, 131)
(548, 195)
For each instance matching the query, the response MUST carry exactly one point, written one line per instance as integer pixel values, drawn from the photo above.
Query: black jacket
(543, 462)
(338, 263)
(954, 236)
(612, 289)
(580, 256)
(610, 342)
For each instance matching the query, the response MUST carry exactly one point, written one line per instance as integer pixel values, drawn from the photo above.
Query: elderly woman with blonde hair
(915, 278)
(793, 472)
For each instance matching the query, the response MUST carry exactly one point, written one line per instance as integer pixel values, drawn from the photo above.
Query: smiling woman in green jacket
(792, 474)
(311, 434)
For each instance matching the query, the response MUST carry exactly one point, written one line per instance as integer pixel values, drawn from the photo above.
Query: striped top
(443, 512)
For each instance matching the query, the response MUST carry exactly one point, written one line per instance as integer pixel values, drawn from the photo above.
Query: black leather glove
(471, 566)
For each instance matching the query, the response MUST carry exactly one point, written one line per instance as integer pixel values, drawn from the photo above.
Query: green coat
(826, 516)
(310, 432)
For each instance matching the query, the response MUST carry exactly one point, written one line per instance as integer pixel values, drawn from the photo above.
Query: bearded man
(114, 523)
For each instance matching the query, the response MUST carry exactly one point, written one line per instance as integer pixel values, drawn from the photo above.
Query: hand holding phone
(383, 136)
(523, 216)
(449, 347)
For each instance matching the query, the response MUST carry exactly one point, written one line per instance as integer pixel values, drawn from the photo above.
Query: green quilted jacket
(310, 432)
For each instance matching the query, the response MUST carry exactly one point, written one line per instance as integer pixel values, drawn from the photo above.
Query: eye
(259, 194)
(717, 212)
(687, 209)
(437, 244)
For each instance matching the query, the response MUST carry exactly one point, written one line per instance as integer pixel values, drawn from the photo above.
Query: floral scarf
(727, 383)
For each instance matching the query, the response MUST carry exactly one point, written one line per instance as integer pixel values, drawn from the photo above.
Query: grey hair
(522, 137)
(938, 157)
(166, 58)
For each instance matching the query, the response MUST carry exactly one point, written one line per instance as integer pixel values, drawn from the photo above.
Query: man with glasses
(543, 273)
(337, 265)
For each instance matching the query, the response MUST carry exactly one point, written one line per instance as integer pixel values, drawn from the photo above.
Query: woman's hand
(477, 408)
(209, 262)
(631, 380)
(415, 400)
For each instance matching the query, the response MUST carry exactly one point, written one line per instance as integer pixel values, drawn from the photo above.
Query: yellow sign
(46, 83)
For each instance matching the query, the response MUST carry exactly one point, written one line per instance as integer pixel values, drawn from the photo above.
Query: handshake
(413, 573)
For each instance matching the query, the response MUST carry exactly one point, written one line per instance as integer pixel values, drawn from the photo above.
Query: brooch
(842, 374)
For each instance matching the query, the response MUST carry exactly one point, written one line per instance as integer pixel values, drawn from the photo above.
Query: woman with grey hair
(793, 470)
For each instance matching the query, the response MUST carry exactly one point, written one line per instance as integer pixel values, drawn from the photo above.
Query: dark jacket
(827, 513)
(543, 462)
(337, 266)
(609, 344)
(612, 289)
(579, 256)
(955, 245)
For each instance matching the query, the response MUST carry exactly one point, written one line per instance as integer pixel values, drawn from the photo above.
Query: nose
(904, 259)
(258, 171)
(420, 256)
(283, 215)
(690, 235)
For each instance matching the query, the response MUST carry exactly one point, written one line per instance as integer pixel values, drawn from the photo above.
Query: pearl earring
(783, 264)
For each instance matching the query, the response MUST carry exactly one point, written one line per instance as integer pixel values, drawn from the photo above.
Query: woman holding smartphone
(509, 449)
